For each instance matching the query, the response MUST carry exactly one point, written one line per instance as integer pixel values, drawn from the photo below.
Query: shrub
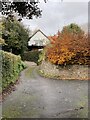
(2, 42)
(11, 67)
(32, 56)
(71, 47)
(42, 56)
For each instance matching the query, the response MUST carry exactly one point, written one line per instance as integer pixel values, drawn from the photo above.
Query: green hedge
(32, 56)
(11, 67)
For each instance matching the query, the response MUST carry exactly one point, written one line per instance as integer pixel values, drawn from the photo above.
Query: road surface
(39, 97)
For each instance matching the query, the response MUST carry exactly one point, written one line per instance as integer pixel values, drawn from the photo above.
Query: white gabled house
(38, 40)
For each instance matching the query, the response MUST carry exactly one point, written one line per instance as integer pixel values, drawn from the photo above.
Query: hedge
(32, 56)
(11, 67)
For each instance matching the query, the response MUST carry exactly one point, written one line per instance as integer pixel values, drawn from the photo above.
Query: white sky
(66, 0)
(56, 14)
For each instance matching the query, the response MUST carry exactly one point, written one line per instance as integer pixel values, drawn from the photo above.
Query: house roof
(39, 31)
(53, 38)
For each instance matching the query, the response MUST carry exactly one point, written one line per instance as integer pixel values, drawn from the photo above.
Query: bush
(71, 47)
(2, 42)
(32, 56)
(42, 56)
(11, 67)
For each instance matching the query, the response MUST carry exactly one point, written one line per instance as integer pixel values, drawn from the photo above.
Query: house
(38, 40)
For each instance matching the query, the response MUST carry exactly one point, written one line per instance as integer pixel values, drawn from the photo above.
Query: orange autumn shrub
(71, 47)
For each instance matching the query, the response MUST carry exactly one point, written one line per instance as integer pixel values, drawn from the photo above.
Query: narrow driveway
(38, 97)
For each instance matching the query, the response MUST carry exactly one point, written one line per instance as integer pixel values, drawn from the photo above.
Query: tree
(71, 47)
(74, 37)
(15, 36)
(22, 8)
(72, 28)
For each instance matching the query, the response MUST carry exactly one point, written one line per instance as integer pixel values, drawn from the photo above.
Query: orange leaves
(59, 56)
(54, 38)
(69, 48)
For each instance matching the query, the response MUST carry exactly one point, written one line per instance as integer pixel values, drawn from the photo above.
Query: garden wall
(77, 72)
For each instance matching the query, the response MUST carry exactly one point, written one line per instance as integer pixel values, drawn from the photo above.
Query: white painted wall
(38, 39)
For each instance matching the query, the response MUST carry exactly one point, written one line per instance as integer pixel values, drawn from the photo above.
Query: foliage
(32, 56)
(15, 36)
(2, 41)
(54, 37)
(72, 28)
(11, 67)
(71, 47)
(42, 56)
(24, 9)
(1, 27)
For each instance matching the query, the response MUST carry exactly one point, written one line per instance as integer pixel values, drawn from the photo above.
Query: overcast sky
(57, 14)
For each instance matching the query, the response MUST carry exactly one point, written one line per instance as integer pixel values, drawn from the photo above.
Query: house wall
(38, 40)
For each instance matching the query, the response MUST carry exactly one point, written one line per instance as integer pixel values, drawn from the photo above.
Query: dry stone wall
(78, 72)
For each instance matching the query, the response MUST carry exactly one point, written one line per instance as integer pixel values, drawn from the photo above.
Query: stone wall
(80, 72)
